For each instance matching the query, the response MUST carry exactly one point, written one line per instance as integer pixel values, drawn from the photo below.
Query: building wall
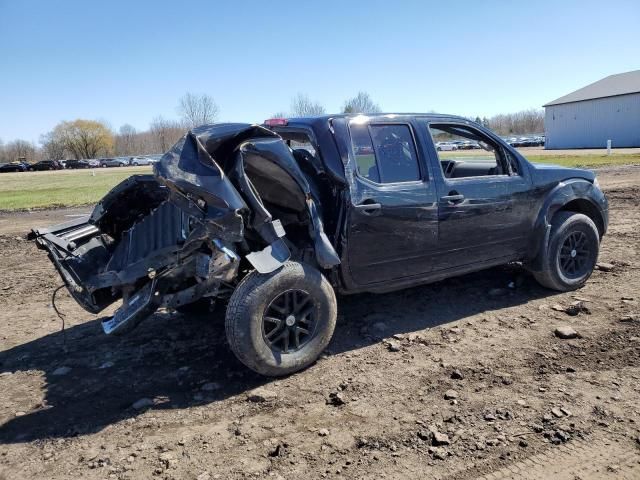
(590, 123)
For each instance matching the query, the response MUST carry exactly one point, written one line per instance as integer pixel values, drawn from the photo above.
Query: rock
(107, 364)
(522, 403)
(323, 432)
(537, 428)
(628, 318)
(523, 443)
(211, 386)
(260, 395)
(336, 399)
(438, 453)
(60, 371)
(450, 395)
(577, 308)
(565, 332)
(20, 414)
(142, 403)
(489, 417)
(204, 476)
(393, 346)
(565, 411)
(439, 439)
(47, 455)
(557, 307)
(605, 267)
(557, 412)
(457, 375)
(6, 374)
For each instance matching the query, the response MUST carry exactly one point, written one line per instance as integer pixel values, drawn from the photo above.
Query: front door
(393, 227)
(478, 221)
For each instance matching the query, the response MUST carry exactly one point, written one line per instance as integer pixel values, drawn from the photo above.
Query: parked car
(112, 162)
(233, 214)
(46, 165)
(136, 161)
(74, 164)
(14, 167)
(446, 146)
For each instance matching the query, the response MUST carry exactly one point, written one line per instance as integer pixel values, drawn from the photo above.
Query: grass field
(19, 191)
(587, 161)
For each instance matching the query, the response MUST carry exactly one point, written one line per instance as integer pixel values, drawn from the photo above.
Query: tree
(197, 110)
(361, 103)
(20, 150)
(52, 148)
(302, 106)
(165, 133)
(126, 140)
(83, 138)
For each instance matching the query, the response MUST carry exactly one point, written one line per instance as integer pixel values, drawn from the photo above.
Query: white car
(446, 146)
(135, 161)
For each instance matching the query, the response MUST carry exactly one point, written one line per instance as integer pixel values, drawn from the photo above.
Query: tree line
(81, 139)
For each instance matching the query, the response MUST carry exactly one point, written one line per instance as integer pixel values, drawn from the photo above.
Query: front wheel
(572, 253)
(280, 322)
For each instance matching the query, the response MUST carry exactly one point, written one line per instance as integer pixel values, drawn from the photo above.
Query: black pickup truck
(273, 220)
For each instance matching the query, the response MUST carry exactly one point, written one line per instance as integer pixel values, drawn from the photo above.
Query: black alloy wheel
(289, 321)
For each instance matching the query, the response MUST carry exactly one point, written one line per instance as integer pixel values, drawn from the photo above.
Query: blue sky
(127, 62)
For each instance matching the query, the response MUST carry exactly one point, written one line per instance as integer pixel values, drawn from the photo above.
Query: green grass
(29, 190)
(21, 191)
(587, 161)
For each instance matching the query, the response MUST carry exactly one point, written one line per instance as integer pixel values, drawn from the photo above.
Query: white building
(608, 109)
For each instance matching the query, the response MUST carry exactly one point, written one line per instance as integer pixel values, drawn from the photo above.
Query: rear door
(393, 226)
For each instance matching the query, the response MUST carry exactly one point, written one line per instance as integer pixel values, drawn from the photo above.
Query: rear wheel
(279, 323)
(572, 253)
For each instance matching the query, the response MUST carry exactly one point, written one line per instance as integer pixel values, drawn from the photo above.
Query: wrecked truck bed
(172, 238)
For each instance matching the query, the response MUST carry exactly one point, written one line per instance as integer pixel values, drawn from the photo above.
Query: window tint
(385, 153)
(466, 152)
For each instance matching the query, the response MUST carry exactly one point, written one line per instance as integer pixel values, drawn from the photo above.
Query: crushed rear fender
(222, 193)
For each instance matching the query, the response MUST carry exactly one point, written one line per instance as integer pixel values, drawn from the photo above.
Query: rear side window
(385, 153)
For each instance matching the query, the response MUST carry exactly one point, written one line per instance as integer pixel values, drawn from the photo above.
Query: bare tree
(125, 141)
(197, 110)
(361, 103)
(302, 106)
(52, 147)
(525, 122)
(165, 132)
(20, 150)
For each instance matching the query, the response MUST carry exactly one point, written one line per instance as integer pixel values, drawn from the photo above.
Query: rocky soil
(483, 373)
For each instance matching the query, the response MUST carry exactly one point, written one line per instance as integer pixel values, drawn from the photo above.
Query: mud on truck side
(229, 213)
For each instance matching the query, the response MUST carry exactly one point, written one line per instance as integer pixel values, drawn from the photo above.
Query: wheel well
(587, 208)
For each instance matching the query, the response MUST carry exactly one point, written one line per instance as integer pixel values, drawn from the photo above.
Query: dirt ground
(462, 379)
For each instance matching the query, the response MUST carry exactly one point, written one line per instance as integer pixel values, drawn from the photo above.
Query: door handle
(453, 198)
(369, 208)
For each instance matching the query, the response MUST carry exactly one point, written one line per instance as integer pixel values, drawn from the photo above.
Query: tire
(564, 227)
(260, 344)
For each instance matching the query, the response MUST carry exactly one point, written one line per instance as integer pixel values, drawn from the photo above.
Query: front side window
(466, 152)
(385, 153)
